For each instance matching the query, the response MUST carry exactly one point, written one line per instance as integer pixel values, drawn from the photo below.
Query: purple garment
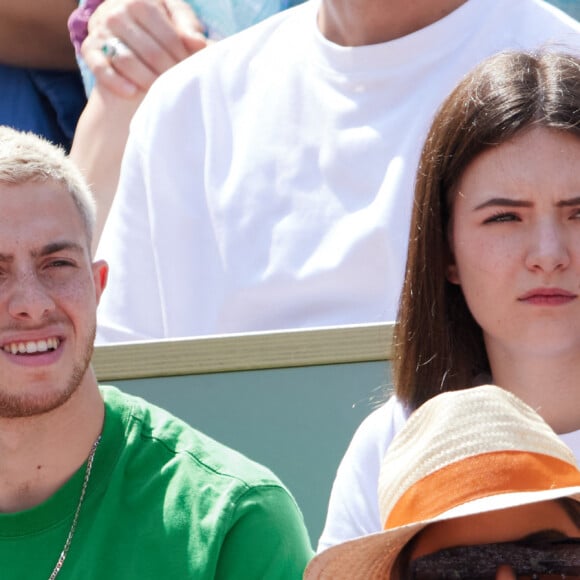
(78, 22)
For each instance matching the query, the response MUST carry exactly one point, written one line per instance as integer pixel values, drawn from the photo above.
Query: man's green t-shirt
(163, 501)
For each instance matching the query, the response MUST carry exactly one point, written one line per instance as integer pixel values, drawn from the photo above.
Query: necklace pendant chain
(73, 526)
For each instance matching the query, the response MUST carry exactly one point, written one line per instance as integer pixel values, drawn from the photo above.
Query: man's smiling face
(49, 291)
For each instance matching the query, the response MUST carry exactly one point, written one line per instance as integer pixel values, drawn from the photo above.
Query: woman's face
(515, 239)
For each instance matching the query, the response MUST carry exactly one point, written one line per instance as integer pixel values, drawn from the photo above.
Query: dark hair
(572, 508)
(402, 563)
(438, 346)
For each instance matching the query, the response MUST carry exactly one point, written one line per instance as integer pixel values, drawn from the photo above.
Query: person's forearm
(98, 147)
(34, 34)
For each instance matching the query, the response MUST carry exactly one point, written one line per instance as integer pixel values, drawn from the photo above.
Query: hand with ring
(131, 42)
(114, 47)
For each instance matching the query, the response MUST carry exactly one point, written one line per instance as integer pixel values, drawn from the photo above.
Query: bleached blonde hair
(28, 157)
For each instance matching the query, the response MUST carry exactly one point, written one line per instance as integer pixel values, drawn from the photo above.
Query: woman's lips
(548, 296)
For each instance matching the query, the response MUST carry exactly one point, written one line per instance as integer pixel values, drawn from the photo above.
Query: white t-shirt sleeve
(353, 507)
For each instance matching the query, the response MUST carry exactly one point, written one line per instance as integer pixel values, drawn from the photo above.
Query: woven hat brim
(372, 557)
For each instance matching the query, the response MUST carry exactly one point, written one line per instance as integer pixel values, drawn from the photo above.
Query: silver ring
(113, 47)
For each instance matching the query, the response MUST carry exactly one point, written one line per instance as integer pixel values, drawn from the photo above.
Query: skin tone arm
(98, 146)
(158, 34)
(45, 23)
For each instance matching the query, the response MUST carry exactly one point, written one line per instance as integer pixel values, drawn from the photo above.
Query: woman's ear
(452, 273)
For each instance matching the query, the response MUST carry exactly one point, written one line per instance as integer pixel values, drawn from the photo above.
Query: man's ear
(100, 276)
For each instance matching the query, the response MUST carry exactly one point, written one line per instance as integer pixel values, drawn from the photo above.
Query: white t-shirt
(353, 509)
(267, 181)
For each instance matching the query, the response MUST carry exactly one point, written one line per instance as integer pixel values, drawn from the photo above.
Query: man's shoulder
(162, 487)
(156, 438)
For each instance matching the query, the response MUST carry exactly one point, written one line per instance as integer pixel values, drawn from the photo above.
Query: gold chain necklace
(73, 526)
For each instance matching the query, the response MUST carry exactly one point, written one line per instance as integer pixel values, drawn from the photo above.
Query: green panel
(297, 421)
(570, 6)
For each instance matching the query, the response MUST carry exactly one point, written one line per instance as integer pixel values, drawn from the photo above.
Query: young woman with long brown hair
(492, 286)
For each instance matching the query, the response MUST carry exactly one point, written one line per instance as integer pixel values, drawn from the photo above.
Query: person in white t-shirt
(267, 180)
(492, 285)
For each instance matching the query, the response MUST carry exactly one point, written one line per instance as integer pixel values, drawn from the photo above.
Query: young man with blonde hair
(96, 483)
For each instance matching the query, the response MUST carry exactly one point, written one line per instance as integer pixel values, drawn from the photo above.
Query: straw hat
(461, 453)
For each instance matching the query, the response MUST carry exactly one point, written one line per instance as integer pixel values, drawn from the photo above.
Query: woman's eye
(501, 217)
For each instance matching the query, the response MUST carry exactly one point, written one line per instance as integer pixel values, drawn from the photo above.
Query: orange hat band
(478, 477)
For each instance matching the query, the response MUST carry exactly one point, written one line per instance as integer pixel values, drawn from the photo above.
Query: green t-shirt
(163, 501)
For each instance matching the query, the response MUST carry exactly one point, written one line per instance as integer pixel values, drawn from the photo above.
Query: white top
(353, 509)
(267, 181)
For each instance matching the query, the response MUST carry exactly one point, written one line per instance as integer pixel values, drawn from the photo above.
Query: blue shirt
(46, 102)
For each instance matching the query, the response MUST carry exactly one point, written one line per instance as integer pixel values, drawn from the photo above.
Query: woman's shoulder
(380, 426)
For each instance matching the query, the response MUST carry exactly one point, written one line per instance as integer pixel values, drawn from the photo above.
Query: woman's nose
(548, 248)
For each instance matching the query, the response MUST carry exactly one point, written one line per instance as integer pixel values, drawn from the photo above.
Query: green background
(570, 6)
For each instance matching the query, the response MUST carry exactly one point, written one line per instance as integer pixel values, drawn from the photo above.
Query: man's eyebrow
(55, 247)
(52, 248)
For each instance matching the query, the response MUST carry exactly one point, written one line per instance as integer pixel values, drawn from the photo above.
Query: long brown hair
(438, 345)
